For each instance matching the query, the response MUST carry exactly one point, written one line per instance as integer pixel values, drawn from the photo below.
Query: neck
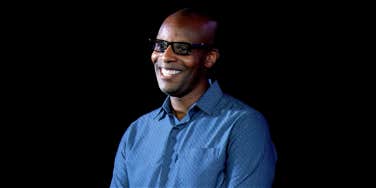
(180, 105)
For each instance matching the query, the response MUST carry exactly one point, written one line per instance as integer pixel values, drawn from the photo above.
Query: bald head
(183, 69)
(196, 25)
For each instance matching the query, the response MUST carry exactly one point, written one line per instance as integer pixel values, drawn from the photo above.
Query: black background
(80, 73)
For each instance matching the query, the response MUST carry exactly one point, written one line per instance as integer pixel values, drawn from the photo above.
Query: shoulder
(234, 105)
(243, 115)
(145, 118)
(140, 126)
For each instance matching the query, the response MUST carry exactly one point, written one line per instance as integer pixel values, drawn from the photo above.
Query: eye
(182, 47)
(160, 46)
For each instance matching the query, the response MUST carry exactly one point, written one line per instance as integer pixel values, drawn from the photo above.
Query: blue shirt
(221, 142)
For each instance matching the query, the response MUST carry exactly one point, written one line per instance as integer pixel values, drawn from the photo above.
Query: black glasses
(180, 48)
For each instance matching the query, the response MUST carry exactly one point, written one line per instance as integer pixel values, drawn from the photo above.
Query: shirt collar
(211, 97)
(165, 108)
(206, 102)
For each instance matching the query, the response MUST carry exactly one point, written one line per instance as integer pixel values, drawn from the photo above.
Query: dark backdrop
(81, 73)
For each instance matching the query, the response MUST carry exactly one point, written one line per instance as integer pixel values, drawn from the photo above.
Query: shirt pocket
(199, 166)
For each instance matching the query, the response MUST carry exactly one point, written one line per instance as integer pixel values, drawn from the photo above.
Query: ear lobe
(211, 58)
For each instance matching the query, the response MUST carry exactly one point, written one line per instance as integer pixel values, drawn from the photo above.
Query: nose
(168, 55)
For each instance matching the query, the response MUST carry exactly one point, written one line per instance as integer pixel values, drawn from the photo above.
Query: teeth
(168, 72)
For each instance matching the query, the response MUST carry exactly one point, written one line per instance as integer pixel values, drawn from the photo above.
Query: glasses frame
(190, 46)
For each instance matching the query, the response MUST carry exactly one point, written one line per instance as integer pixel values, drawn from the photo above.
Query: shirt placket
(170, 158)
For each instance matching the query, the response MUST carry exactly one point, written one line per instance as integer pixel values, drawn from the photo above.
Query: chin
(174, 93)
(168, 91)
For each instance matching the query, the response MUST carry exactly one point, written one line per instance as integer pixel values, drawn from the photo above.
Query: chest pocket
(199, 166)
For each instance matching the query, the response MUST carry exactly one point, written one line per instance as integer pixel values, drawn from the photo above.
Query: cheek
(154, 57)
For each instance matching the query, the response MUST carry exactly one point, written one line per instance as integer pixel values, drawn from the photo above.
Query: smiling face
(179, 75)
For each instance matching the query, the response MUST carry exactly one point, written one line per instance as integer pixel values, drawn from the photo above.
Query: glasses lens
(160, 46)
(181, 48)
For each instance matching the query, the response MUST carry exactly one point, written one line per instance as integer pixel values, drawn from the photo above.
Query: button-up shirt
(220, 142)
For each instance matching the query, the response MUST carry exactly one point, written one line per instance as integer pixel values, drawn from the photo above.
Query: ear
(211, 57)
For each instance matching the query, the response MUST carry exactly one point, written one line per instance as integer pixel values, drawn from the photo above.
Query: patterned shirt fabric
(220, 142)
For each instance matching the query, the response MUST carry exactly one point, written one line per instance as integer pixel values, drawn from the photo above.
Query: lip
(170, 67)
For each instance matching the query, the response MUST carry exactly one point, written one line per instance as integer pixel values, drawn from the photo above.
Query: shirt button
(176, 158)
(173, 138)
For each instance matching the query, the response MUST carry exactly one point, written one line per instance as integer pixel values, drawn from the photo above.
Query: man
(200, 137)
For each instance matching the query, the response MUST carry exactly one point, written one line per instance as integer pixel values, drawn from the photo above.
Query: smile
(169, 72)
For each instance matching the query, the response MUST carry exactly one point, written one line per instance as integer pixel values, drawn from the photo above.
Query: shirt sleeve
(251, 155)
(120, 176)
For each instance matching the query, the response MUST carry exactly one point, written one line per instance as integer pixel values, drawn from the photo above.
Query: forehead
(177, 32)
(179, 28)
